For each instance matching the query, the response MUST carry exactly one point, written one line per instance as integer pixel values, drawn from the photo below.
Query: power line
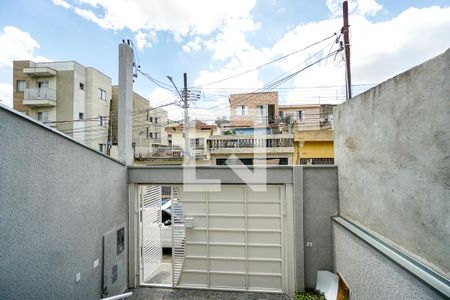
(268, 63)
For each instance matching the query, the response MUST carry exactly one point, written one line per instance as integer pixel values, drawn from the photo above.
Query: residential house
(312, 126)
(252, 136)
(67, 96)
(199, 132)
(253, 109)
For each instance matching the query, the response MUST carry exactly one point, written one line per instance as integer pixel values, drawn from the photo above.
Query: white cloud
(194, 45)
(182, 18)
(17, 45)
(62, 3)
(231, 41)
(360, 7)
(6, 91)
(145, 40)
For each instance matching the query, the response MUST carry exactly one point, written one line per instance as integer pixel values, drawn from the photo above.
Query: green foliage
(310, 294)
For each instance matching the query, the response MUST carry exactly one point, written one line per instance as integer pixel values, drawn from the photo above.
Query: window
(156, 135)
(81, 116)
(147, 135)
(42, 116)
(300, 115)
(102, 94)
(156, 120)
(241, 110)
(151, 119)
(102, 148)
(120, 240)
(197, 143)
(101, 121)
(261, 110)
(82, 86)
(20, 85)
(151, 135)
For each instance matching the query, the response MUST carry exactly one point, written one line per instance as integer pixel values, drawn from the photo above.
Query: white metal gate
(178, 237)
(236, 239)
(151, 250)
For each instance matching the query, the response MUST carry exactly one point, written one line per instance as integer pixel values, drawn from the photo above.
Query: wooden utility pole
(345, 30)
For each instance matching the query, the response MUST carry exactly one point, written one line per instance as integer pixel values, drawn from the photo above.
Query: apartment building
(148, 126)
(67, 96)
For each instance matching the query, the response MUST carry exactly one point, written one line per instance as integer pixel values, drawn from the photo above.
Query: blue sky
(212, 40)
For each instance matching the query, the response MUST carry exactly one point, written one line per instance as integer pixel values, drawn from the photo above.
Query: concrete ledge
(174, 174)
(428, 276)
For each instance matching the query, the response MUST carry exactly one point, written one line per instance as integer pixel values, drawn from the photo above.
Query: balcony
(39, 72)
(39, 97)
(273, 143)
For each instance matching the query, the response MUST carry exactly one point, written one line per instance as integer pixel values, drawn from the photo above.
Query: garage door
(235, 241)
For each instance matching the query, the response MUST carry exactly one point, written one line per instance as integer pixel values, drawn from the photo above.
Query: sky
(225, 47)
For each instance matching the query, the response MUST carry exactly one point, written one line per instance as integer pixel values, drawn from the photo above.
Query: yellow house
(313, 147)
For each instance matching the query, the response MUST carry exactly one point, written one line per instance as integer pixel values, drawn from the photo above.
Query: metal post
(187, 152)
(110, 122)
(345, 30)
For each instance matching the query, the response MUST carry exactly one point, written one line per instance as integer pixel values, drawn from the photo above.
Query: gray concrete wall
(392, 148)
(371, 275)
(57, 199)
(320, 203)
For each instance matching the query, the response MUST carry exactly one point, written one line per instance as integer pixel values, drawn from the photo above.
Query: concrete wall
(392, 147)
(57, 199)
(320, 203)
(363, 266)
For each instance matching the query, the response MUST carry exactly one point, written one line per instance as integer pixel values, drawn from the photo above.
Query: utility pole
(187, 151)
(110, 123)
(184, 96)
(345, 30)
(125, 103)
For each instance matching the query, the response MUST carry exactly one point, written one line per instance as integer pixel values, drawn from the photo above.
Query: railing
(250, 142)
(158, 153)
(40, 94)
(309, 122)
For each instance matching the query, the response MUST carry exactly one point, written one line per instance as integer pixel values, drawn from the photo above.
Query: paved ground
(144, 293)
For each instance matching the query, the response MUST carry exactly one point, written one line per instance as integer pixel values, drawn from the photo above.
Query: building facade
(253, 135)
(199, 133)
(312, 126)
(67, 96)
(253, 109)
(148, 132)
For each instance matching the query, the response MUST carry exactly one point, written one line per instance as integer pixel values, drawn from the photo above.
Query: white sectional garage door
(236, 239)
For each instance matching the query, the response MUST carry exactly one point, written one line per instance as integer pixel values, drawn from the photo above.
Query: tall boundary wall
(58, 199)
(392, 149)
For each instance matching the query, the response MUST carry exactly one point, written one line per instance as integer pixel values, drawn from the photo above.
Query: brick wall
(251, 100)
(18, 74)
